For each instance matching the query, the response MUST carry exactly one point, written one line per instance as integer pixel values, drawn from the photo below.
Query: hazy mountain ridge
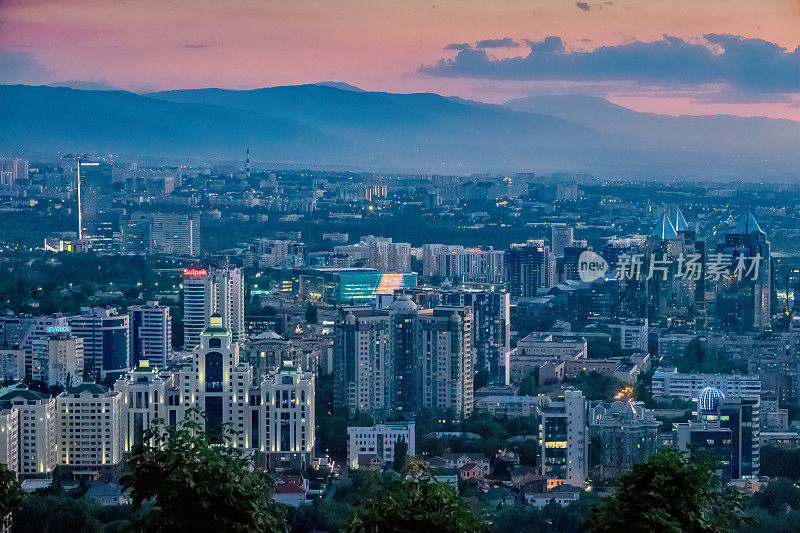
(330, 125)
(706, 131)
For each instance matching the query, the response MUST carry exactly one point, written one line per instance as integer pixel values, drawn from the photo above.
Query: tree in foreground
(196, 485)
(669, 493)
(411, 504)
(11, 494)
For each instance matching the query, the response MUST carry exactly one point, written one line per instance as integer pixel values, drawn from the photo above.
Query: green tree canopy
(669, 493)
(413, 505)
(11, 494)
(197, 485)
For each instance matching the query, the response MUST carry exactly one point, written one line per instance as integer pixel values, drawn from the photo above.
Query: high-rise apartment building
(106, 340)
(89, 430)
(37, 431)
(744, 297)
(12, 171)
(473, 266)
(430, 256)
(491, 331)
(9, 436)
(288, 422)
(161, 233)
(444, 361)
(529, 267)
(151, 334)
(562, 236)
(64, 363)
(212, 291)
(563, 438)
(361, 364)
(143, 399)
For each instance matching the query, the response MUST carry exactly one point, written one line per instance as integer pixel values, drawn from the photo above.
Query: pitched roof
(676, 217)
(747, 225)
(92, 388)
(664, 229)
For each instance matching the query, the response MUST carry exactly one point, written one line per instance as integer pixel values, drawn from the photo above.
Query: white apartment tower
(37, 431)
(563, 438)
(9, 436)
(361, 360)
(445, 361)
(144, 399)
(288, 432)
(89, 430)
(64, 364)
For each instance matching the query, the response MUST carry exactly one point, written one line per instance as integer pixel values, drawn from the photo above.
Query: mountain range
(333, 124)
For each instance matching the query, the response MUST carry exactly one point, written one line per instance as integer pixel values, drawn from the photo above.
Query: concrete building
(144, 399)
(539, 348)
(669, 383)
(64, 364)
(9, 436)
(445, 361)
(12, 363)
(379, 439)
(288, 432)
(563, 438)
(161, 233)
(361, 360)
(151, 334)
(37, 431)
(697, 436)
(106, 340)
(628, 434)
(206, 292)
(561, 237)
(491, 339)
(89, 430)
(633, 334)
(473, 266)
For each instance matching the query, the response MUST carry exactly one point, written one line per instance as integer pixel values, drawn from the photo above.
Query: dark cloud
(197, 46)
(583, 6)
(21, 67)
(457, 46)
(505, 42)
(754, 65)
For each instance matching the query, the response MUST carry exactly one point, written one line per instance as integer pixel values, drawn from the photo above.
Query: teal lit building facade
(351, 286)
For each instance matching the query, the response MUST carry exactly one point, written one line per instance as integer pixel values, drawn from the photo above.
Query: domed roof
(403, 303)
(708, 399)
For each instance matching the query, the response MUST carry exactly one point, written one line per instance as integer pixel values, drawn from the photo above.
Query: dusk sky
(672, 56)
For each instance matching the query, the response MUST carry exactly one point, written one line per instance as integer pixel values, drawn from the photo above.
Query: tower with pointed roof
(744, 302)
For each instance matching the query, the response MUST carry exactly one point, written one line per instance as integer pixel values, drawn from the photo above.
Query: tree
(416, 504)
(311, 313)
(669, 493)
(11, 494)
(400, 454)
(198, 485)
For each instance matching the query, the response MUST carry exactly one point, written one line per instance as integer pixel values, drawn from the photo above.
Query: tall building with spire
(744, 294)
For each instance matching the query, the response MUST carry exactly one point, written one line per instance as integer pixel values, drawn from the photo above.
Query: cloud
(753, 65)
(457, 46)
(197, 46)
(505, 42)
(21, 67)
(583, 6)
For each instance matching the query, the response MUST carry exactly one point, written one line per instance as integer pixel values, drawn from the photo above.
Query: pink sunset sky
(397, 46)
